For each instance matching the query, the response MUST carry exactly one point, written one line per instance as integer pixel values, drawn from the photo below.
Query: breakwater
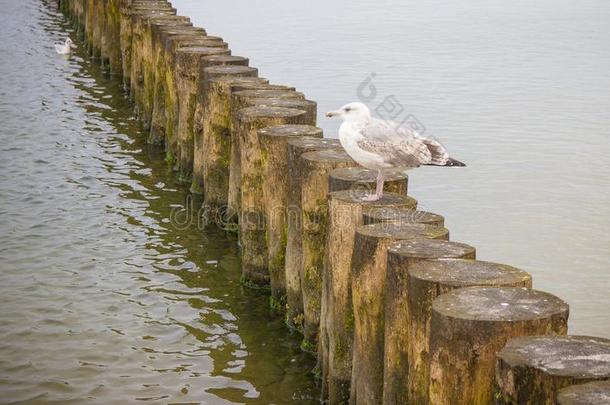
(392, 309)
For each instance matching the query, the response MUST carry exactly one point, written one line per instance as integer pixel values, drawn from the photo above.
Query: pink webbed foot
(371, 197)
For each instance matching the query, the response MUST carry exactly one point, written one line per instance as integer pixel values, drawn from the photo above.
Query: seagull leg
(378, 191)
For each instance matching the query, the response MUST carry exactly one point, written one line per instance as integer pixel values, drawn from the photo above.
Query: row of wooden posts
(394, 312)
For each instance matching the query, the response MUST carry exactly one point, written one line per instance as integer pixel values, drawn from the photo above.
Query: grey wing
(391, 132)
(438, 153)
(404, 153)
(383, 130)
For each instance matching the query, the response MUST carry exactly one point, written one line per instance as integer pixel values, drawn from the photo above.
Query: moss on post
(252, 221)
(149, 65)
(169, 39)
(216, 57)
(368, 290)
(419, 280)
(127, 32)
(111, 50)
(337, 319)
(214, 139)
(166, 108)
(141, 54)
(273, 141)
(531, 370)
(218, 90)
(471, 325)
(239, 101)
(294, 244)
(187, 79)
(314, 169)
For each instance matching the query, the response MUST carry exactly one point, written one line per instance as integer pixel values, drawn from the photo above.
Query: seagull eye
(348, 109)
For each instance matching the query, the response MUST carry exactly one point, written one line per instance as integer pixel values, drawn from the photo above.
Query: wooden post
(273, 141)
(111, 49)
(530, 370)
(310, 107)
(239, 101)
(314, 170)
(213, 107)
(471, 325)
(361, 179)
(336, 319)
(368, 290)
(150, 68)
(141, 55)
(252, 221)
(188, 73)
(165, 111)
(294, 245)
(403, 216)
(214, 147)
(180, 145)
(419, 280)
(214, 57)
(594, 393)
(144, 53)
(127, 33)
(218, 90)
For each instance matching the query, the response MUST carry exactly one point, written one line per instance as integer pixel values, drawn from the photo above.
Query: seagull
(65, 48)
(379, 144)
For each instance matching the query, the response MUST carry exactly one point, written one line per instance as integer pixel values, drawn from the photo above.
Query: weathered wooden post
(151, 51)
(403, 216)
(165, 111)
(215, 58)
(336, 320)
(471, 325)
(368, 290)
(141, 53)
(419, 279)
(127, 12)
(359, 178)
(214, 139)
(239, 101)
(273, 141)
(593, 393)
(530, 370)
(112, 49)
(294, 244)
(310, 107)
(166, 40)
(170, 19)
(218, 90)
(314, 169)
(189, 76)
(252, 221)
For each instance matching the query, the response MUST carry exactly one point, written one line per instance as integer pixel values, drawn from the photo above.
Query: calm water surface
(520, 90)
(102, 300)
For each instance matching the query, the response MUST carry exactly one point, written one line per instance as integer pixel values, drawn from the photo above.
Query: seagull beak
(331, 114)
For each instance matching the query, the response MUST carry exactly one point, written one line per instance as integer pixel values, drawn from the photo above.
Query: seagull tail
(451, 162)
(454, 162)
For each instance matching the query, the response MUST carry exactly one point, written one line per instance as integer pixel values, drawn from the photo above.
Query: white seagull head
(352, 112)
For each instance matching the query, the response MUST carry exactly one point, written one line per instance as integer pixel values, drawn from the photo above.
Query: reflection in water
(102, 297)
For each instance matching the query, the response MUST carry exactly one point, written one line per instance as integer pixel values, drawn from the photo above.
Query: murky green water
(102, 298)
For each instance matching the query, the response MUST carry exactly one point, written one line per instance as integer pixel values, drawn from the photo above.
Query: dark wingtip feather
(454, 162)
